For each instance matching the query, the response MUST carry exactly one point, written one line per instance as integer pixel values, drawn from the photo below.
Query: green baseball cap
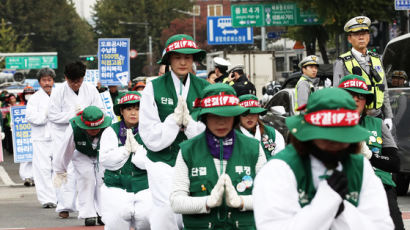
(356, 84)
(92, 118)
(330, 114)
(130, 97)
(181, 43)
(251, 102)
(219, 99)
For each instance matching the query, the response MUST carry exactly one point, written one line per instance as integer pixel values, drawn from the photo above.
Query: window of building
(215, 10)
(196, 10)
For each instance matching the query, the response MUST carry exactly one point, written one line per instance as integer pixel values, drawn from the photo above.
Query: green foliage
(55, 27)
(10, 41)
(157, 13)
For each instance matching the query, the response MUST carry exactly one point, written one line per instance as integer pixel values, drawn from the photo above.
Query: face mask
(27, 96)
(329, 159)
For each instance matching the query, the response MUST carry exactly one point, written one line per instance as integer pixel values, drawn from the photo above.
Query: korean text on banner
(108, 105)
(114, 61)
(21, 134)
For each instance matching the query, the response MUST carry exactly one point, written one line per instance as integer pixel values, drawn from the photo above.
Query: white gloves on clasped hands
(217, 193)
(232, 198)
(328, 83)
(77, 109)
(364, 149)
(181, 113)
(60, 179)
(388, 122)
(131, 145)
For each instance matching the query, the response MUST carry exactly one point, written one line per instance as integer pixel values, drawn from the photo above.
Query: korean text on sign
(114, 61)
(21, 130)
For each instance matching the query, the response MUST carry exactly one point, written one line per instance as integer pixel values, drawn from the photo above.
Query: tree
(55, 27)
(10, 41)
(118, 18)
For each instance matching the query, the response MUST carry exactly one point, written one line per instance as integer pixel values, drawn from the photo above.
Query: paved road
(19, 208)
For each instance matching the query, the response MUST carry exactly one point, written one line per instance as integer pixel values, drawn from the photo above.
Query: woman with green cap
(166, 107)
(80, 145)
(126, 198)
(214, 171)
(271, 140)
(320, 180)
(380, 148)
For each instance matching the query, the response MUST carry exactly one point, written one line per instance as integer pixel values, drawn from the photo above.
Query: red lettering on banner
(218, 100)
(336, 118)
(354, 83)
(129, 97)
(249, 103)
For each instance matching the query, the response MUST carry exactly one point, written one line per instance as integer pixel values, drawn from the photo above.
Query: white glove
(388, 122)
(128, 142)
(60, 179)
(232, 198)
(217, 193)
(2, 135)
(328, 83)
(179, 111)
(134, 143)
(77, 109)
(364, 149)
(186, 117)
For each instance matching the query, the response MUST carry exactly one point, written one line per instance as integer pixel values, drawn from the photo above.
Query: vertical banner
(108, 105)
(21, 130)
(91, 76)
(114, 61)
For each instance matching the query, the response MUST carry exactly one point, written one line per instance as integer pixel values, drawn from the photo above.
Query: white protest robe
(63, 103)
(36, 115)
(158, 135)
(276, 201)
(122, 209)
(88, 174)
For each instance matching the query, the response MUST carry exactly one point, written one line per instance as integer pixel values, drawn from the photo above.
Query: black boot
(91, 221)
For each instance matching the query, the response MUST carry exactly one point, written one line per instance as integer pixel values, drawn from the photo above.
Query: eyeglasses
(358, 95)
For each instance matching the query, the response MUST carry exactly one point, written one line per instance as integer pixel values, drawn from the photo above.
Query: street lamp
(190, 14)
(149, 45)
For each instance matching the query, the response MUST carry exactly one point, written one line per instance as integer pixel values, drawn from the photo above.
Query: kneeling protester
(126, 198)
(214, 171)
(321, 180)
(81, 145)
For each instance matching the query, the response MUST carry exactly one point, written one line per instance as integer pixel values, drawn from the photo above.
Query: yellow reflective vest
(376, 87)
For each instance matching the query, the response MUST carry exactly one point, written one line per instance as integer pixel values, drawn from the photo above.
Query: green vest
(374, 125)
(312, 89)
(353, 167)
(203, 177)
(82, 141)
(374, 86)
(129, 177)
(166, 100)
(268, 141)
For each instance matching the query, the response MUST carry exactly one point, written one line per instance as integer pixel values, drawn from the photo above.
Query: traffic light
(90, 58)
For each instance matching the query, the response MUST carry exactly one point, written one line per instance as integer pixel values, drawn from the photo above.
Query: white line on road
(5, 177)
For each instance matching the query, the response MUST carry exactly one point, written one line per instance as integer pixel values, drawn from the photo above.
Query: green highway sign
(247, 15)
(31, 62)
(275, 14)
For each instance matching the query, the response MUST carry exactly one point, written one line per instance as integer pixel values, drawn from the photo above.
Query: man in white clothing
(65, 102)
(36, 115)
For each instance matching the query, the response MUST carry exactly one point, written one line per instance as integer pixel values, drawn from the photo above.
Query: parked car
(396, 57)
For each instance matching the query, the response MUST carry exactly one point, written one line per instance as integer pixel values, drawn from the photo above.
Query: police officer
(308, 82)
(364, 63)
(238, 80)
(221, 68)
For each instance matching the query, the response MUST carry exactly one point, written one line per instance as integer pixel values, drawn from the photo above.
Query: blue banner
(114, 61)
(108, 105)
(221, 32)
(21, 130)
(91, 76)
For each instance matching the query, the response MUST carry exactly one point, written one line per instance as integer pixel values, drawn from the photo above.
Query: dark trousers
(395, 212)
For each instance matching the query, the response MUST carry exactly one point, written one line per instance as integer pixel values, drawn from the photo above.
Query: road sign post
(221, 32)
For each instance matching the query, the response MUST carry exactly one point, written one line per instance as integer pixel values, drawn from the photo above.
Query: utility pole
(193, 18)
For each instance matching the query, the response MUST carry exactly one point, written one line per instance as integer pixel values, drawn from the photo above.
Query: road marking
(5, 177)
